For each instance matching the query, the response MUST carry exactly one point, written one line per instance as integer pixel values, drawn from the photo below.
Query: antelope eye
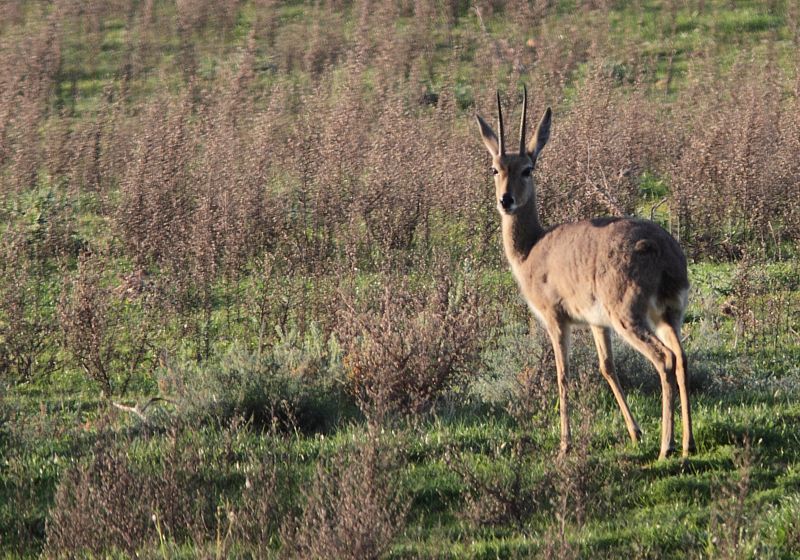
(494, 171)
(527, 172)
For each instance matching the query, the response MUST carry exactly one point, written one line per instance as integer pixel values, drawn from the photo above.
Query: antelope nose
(506, 201)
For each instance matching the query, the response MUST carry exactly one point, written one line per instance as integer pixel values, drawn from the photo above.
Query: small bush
(519, 366)
(511, 495)
(27, 323)
(267, 500)
(354, 504)
(101, 332)
(731, 527)
(401, 356)
(112, 504)
(737, 170)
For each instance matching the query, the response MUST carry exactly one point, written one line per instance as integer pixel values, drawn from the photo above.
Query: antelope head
(513, 172)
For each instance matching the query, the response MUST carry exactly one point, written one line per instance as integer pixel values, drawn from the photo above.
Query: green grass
(661, 507)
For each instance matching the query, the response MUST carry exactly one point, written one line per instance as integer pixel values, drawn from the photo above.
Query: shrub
(735, 173)
(401, 356)
(205, 487)
(296, 382)
(519, 365)
(111, 504)
(508, 495)
(731, 528)
(102, 334)
(27, 325)
(268, 499)
(154, 212)
(354, 504)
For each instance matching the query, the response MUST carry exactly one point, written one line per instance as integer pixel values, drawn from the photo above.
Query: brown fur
(624, 274)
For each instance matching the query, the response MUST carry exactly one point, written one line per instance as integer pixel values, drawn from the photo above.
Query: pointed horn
(522, 123)
(502, 134)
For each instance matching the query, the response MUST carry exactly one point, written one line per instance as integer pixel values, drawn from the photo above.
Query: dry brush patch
(27, 323)
(208, 489)
(732, 527)
(354, 506)
(402, 354)
(100, 331)
(110, 504)
(156, 202)
(529, 478)
(600, 149)
(736, 172)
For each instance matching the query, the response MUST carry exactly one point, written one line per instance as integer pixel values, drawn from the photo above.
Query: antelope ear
(489, 137)
(542, 135)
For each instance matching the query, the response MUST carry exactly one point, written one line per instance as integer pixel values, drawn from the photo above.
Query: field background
(253, 302)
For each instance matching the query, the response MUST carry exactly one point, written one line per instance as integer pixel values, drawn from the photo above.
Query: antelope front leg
(560, 337)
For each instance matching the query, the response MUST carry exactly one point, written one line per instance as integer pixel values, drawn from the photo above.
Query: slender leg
(560, 337)
(639, 335)
(670, 334)
(602, 340)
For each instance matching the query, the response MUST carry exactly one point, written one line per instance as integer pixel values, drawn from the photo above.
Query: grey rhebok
(624, 274)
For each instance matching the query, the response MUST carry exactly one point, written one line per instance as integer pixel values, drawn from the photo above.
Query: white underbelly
(596, 315)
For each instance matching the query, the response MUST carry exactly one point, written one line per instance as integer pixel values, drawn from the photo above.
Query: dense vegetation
(253, 301)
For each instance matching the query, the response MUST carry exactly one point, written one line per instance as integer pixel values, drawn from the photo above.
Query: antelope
(625, 274)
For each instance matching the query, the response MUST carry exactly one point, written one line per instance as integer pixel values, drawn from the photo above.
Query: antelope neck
(521, 231)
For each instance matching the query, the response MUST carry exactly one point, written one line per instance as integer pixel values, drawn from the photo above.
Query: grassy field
(253, 302)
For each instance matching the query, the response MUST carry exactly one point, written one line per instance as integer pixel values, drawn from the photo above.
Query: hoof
(666, 453)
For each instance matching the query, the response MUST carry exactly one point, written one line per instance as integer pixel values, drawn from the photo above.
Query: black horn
(522, 122)
(502, 134)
